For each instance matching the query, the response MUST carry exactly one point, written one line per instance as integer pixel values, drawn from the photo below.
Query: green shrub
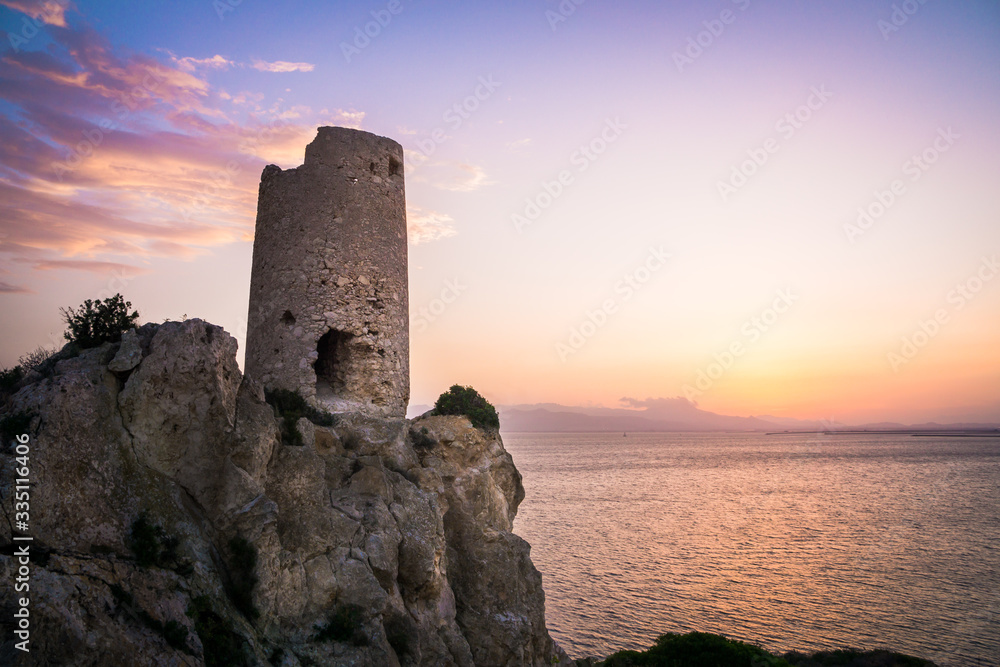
(699, 649)
(13, 425)
(32, 360)
(144, 541)
(9, 377)
(121, 595)
(853, 658)
(47, 368)
(97, 322)
(176, 635)
(344, 625)
(172, 631)
(290, 407)
(243, 576)
(467, 401)
(696, 649)
(222, 645)
(152, 547)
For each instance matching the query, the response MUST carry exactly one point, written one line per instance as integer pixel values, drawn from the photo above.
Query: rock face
(328, 313)
(129, 354)
(171, 526)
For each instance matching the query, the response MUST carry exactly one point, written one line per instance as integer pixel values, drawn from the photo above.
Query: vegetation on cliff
(242, 576)
(89, 325)
(152, 547)
(701, 649)
(97, 322)
(467, 401)
(289, 408)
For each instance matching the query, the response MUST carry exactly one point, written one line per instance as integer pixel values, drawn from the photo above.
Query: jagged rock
(501, 605)
(401, 551)
(103, 611)
(129, 354)
(179, 405)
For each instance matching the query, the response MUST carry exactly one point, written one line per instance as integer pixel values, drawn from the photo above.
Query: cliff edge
(173, 524)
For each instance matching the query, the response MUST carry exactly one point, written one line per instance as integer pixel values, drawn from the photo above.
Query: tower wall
(329, 314)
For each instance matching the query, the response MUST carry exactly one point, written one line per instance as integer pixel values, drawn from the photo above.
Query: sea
(792, 541)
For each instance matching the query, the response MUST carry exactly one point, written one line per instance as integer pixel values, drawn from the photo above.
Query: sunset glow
(784, 209)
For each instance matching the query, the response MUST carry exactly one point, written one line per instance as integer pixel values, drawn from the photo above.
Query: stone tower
(328, 290)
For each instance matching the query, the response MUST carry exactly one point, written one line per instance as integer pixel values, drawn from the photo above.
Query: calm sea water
(792, 542)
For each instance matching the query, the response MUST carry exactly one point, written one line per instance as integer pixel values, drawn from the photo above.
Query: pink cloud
(109, 156)
(7, 288)
(95, 267)
(424, 226)
(52, 12)
(282, 66)
(190, 64)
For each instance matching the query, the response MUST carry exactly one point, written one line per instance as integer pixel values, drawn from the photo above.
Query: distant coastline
(943, 432)
(680, 415)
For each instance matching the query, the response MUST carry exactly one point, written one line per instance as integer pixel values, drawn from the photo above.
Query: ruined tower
(328, 290)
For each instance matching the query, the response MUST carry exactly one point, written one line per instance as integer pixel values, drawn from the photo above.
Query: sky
(786, 208)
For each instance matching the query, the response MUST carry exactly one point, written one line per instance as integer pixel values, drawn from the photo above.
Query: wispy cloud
(189, 64)
(52, 12)
(455, 176)
(424, 226)
(106, 156)
(519, 145)
(7, 288)
(352, 119)
(92, 266)
(665, 407)
(220, 62)
(282, 66)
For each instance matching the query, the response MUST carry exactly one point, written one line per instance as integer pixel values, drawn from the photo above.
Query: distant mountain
(790, 424)
(927, 426)
(675, 414)
(661, 414)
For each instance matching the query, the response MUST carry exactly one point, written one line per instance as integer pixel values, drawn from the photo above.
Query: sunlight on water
(794, 542)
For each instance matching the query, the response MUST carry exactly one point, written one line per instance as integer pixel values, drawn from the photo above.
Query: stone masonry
(328, 310)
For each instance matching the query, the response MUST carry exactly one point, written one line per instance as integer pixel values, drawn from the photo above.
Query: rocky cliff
(172, 526)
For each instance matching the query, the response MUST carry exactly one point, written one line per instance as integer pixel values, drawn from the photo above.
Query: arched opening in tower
(333, 364)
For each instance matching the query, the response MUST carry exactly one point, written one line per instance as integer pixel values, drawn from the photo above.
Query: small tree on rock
(97, 322)
(467, 401)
